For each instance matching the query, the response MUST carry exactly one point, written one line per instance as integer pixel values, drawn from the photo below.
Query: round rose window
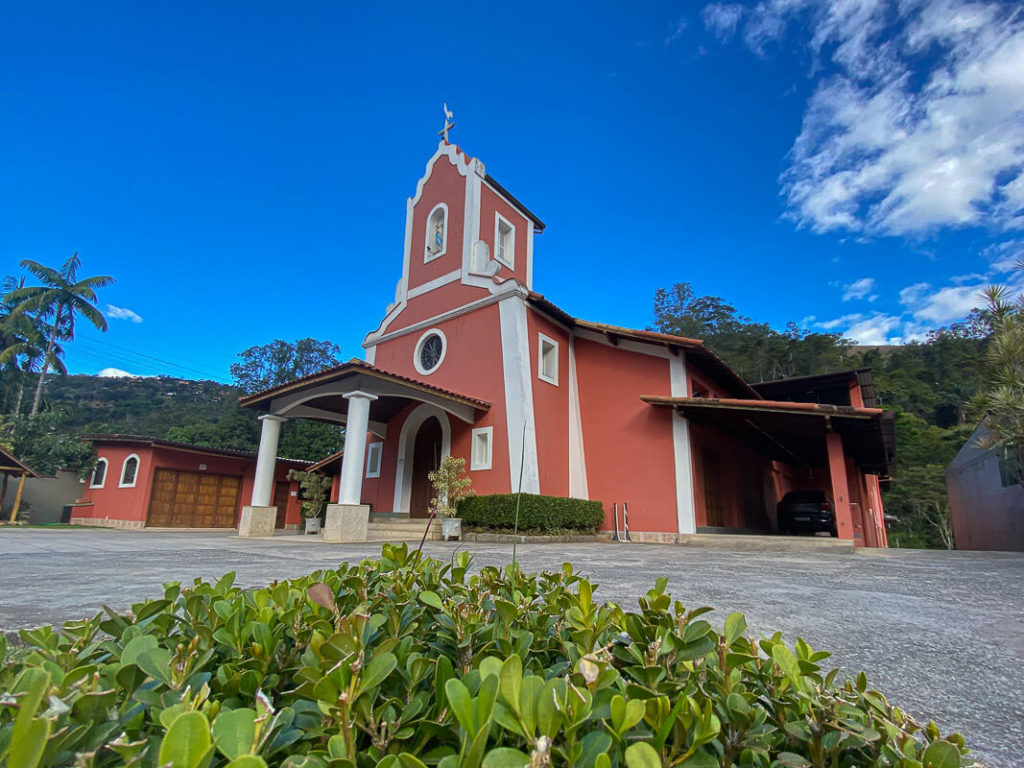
(429, 351)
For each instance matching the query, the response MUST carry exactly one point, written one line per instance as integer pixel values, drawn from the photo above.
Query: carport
(855, 445)
(10, 466)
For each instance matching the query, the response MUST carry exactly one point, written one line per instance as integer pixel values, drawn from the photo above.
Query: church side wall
(551, 408)
(492, 203)
(628, 443)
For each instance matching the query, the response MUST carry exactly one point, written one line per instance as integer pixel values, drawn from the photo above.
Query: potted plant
(315, 488)
(450, 485)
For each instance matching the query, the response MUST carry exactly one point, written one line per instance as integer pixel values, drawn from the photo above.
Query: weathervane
(449, 123)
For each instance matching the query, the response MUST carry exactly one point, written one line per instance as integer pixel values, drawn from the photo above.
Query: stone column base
(257, 521)
(346, 522)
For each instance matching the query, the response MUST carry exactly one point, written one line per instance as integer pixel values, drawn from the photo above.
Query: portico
(367, 401)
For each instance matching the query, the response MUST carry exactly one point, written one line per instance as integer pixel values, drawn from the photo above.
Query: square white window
(373, 452)
(504, 241)
(547, 359)
(481, 451)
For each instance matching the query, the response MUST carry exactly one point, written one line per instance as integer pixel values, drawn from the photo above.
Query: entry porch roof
(795, 432)
(322, 396)
(9, 464)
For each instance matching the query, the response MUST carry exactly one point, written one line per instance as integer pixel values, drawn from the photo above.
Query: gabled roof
(354, 366)
(537, 223)
(327, 462)
(10, 464)
(155, 442)
(702, 357)
(814, 386)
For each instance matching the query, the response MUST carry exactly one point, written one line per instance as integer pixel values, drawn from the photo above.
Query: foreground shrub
(536, 513)
(402, 663)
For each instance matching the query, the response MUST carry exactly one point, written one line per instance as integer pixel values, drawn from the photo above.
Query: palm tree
(56, 304)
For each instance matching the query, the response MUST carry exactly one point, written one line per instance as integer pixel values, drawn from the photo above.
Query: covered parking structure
(11, 467)
(840, 449)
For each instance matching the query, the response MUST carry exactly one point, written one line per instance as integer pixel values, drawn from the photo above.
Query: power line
(133, 354)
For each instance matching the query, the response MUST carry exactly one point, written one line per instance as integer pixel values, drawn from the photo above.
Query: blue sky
(242, 168)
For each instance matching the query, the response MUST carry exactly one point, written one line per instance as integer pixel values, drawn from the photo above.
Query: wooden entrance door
(712, 488)
(281, 491)
(193, 500)
(426, 458)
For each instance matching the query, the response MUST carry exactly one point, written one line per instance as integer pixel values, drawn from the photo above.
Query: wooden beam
(17, 497)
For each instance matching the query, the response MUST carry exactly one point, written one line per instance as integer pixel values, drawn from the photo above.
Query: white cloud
(116, 373)
(875, 330)
(859, 289)
(946, 305)
(1005, 256)
(677, 32)
(120, 313)
(916, 122)
(722, 18)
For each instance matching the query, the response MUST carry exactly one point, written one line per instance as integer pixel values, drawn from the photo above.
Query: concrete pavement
(940, 633)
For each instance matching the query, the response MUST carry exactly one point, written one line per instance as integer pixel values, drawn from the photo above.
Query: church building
(470, 360)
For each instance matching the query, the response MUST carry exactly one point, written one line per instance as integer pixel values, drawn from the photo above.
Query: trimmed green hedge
(538, 513)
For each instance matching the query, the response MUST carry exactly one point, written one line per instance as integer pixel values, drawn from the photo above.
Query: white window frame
(511, 250)
(427, 255)
(419, 348)
(106, 471)
(488, 433)
(124, 465)
(541, 340)
(374, 451)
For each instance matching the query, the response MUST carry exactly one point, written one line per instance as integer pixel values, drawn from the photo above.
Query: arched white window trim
(92, 477)
(419, 348)
(427, 255)
(407, 447)
(124, 466)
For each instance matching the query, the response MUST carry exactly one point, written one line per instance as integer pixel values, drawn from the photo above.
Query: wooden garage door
(193, 500)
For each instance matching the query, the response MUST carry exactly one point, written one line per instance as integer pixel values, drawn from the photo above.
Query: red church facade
(470, 360)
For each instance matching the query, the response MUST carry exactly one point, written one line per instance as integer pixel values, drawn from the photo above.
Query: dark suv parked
(806, 511)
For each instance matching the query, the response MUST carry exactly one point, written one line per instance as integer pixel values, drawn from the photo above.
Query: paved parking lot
(942, 634)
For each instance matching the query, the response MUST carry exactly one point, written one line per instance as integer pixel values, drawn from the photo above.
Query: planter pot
(312, 525)
(451, 528)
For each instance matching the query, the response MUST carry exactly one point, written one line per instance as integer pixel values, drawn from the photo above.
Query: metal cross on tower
(449, 123)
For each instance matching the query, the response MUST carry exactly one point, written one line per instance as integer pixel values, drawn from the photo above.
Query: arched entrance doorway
(427, 448)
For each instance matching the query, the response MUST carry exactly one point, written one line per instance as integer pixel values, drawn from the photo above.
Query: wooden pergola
(11, 466)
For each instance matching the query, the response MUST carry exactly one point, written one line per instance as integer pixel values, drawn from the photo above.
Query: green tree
(280, 362)
(1001, 402)
(46, 444)
(57, 304)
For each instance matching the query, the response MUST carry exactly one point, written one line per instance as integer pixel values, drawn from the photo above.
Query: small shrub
(405, 662)
(536, 513)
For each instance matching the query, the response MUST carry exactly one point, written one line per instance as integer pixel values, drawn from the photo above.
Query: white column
(351, 485)
(263, 484)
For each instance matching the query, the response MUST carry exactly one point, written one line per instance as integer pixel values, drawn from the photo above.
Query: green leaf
(941, 754)
(511, 680)
(247, 761)
(461, 704)
(187, 742)
(505, 757)
(642, 755)
(234, 732)
(156, 662)
(787, 663)
(701, 759)
(28, 744)
(735, 626)
(791, 760)
(430, 598)
(136, 646)
(595, 743)
(380, 667)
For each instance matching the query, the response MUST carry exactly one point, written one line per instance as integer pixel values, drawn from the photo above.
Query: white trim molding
(437, 282)
(510, 250)
(542, 374)
(124, 467)
(427, 335)
(103, 480)
(427, 255)
(407, 447)
(522, 429)
(686, 508)
(577, 455)
(476, 462)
